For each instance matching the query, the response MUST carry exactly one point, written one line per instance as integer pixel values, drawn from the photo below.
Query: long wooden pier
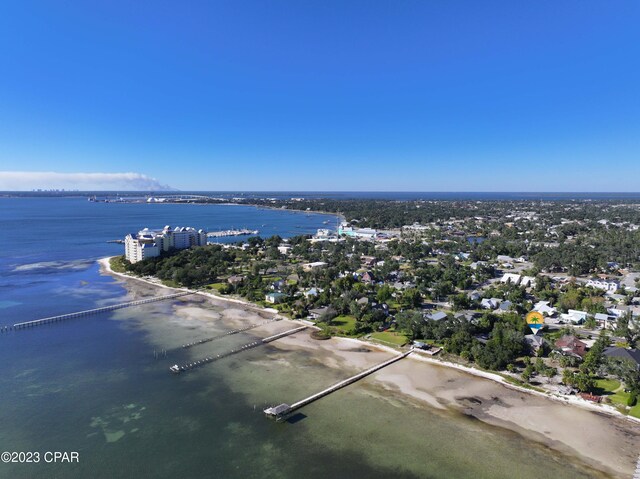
(176, 369)
(282, 410)
(89, 312)
(228, 333)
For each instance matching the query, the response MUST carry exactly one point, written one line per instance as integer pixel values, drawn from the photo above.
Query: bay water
(100, 385)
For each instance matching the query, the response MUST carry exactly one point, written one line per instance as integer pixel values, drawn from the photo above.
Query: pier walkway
(176, 369)
(228, 333)
(89, 312)
(283, 410)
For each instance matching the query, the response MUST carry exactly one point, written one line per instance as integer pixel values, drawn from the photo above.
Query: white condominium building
(149, 243)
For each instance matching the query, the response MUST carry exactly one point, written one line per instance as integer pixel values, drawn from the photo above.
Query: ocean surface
(100, 385)
(363, 195)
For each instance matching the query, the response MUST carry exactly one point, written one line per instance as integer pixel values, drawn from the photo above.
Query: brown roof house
(571, 345)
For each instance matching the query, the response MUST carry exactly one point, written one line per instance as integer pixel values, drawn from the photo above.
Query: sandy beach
(605, 442)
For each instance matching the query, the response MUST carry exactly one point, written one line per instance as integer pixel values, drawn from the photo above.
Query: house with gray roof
(632, 355)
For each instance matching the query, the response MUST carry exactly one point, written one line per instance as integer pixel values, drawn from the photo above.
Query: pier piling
(186, 367)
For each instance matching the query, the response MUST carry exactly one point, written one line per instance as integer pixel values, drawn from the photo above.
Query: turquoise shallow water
(94, 386)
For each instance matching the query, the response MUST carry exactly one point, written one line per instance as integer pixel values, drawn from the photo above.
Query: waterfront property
(150, 243)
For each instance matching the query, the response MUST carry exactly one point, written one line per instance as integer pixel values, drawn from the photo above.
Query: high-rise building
(149, 243)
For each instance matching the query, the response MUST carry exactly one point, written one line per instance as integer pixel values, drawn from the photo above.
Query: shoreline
(416, 356)
(604, 440)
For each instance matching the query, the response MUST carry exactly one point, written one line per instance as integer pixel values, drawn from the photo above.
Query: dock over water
(177, 369)
(89, 312)
(282, 410)
(228, 333)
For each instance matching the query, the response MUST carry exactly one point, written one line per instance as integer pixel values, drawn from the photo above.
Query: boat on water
(175, 369)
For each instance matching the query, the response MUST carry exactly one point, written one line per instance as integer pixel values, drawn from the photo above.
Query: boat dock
(176, 369)
(240, 232)
(282, 410)
(89, 312)
(228, 333)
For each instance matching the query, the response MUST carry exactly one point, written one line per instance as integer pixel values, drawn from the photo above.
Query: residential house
(631, 355)
(504, 306)
(367, 277)
(535, 341)
(475, 296)
(437, 316)
(403, 285)
(476, 264)
(511, 278)
(575, 317)
(363, 301)
(618, 310)
(317, 312)
(619, 298)
(605, 321)
(572, 346)
(468, 316)
(313, 265)
(544, 308)
(235, 279)
(368, 261)
(312, 293)
(606, 285)
(528, 281)
(284, 249)
(275, 297)
(490, 303)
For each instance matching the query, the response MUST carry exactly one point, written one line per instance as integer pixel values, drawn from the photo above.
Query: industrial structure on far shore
(150, 243)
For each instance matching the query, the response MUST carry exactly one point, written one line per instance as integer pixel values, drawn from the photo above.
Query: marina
(232, 232)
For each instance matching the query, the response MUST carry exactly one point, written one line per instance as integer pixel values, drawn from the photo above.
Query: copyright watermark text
(49, 457)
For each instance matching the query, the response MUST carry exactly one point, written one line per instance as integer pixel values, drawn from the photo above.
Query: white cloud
(30, 180)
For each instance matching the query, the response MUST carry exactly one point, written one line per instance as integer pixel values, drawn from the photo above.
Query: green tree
(595, 357)
(384, 293)
(410, 322)
(629, 328)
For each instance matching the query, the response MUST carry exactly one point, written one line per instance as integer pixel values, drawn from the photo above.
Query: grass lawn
(344, 324)
(616, 394)
(271, 278)
(606, 387)
(216, 286)
(613, 390)
(391, 337)
(393, 304)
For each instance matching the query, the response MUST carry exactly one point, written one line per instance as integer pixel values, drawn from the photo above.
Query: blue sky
(324, 95)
